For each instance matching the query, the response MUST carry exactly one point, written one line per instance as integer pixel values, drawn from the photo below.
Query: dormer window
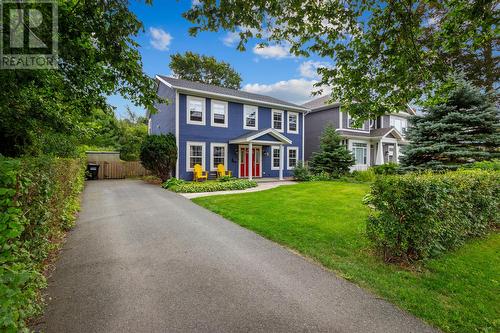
(250, 117)
(195, 110)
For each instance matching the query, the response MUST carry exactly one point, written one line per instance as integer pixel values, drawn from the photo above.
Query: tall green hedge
(38, 201)
(416, 216)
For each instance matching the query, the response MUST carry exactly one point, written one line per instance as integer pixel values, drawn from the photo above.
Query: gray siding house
(377, 142)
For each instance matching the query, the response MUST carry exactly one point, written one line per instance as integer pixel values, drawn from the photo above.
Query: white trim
(177, 133)
(226, 113)
(273, 111)
(239, 158)
(288, 156)
(251, 138)
(341, 118)
(272, 157)
(303, 131)
(288, 122)
(234, 98)
(245, 108)
(203, 111)
(367, 143)
(212, 146)
(203, 154)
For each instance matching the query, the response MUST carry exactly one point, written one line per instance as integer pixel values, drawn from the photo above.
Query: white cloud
(294, 90)
(308, 69)
(160, 39)
(272, 51)
(231, 38)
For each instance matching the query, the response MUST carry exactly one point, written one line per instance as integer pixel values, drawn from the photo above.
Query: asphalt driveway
(142, 259)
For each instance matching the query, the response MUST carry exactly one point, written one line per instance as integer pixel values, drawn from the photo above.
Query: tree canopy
(98, 56)
(384, 54)
(201, 68)
(464, 128)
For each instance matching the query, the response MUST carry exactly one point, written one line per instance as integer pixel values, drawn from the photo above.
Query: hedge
(417, 216)
(38, 201)
(177, 185)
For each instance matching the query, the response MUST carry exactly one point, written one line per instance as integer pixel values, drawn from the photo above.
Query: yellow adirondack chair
(199, 174)
(221, 171)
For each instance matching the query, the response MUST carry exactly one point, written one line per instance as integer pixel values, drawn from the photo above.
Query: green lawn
(458, 292)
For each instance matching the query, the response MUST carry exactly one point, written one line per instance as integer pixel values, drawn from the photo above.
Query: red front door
(255, 162)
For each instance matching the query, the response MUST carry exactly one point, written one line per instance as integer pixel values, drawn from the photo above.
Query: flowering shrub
(211, 186)
(420, 215)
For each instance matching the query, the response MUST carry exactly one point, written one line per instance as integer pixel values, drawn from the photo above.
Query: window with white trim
(195, 154)
(399, 123)
(218, 155)
(351, 123)
(219, 113)
(277, 120)
(195, 110)
(293, 155)
(275, 158)
(250, 117)
(293, 122)
(360, 152)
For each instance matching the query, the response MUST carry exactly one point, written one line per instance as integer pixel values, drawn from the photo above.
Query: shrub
(386, 169)
(173, 182)
(321, 176)
(367, 176)
(225, 179)
(38, 201)
(486, 165)
(159, 155)
(212, 186)
(416, 216)
(301, 172)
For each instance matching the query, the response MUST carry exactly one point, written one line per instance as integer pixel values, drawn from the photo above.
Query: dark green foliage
(210, 186)
(38, 201)
(417, 216)
(223, 179)
(367, 176)
(386, 169)
(133, 131)
(98, 56)
(379, 55)
(159, 155)
(301, 172)
(173, 182)
(201, 68)
(486, 165)
(333, 158)
(462, 129)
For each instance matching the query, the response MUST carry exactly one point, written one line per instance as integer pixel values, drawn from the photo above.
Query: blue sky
(271, 71)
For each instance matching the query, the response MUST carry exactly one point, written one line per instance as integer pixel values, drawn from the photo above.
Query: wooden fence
(120, 169)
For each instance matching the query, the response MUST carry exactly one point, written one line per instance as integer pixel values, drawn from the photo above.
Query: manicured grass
(458, 292)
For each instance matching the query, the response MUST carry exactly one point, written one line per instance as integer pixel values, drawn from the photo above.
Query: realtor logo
(28, 34)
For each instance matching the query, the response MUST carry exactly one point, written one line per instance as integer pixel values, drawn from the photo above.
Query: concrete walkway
(261, 186)
(143, 259)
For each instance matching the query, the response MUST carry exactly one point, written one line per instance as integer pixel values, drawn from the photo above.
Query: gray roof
(209, 88)
(380, 131)
(320, 103)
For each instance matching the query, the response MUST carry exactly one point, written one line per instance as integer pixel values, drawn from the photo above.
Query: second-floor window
(351, 122)
(399, 123)
(250, 117)
(277, 120)
(219, 111)
(293, 122)
(195, 110)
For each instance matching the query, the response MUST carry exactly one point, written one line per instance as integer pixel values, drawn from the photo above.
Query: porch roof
(268, 136)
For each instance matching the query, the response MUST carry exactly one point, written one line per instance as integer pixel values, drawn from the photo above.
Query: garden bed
(181, 186)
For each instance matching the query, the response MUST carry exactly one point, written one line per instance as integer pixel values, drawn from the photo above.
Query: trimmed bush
(301, 172)
(159, 155)
(417, 216)
(210, 186)
(38, 201)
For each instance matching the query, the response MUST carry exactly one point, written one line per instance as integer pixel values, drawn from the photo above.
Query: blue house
(252, 135)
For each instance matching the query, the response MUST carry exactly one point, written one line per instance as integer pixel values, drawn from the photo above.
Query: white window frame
(282, 129)
(402, 121)
(288, 122)
(288, 149)
(212, 114)
(188, 151)
(367, 154)
(272, 157)
(349, 118)
(203, 111)
(250, 108)
(212, 146)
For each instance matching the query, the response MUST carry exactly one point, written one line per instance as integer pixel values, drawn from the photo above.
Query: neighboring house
(377, 142)
(214, 125)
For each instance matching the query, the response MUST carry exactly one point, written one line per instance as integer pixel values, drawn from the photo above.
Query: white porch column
(380, 154)
(396, 152)
(250, 161)
(282, 152)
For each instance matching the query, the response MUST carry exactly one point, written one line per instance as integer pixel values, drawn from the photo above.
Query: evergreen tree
(461, 129)
(333, 158)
